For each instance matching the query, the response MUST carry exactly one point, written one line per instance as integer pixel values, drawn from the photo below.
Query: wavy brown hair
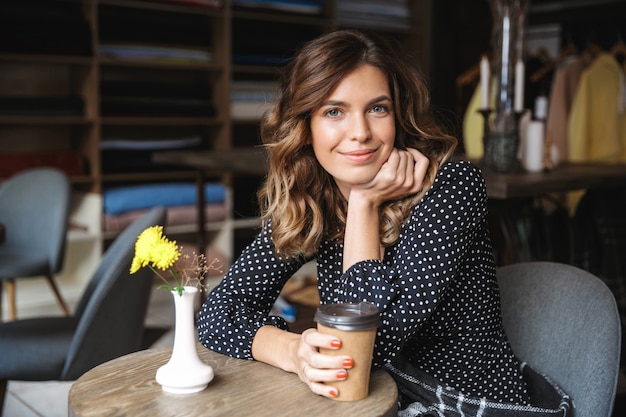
(298, 197)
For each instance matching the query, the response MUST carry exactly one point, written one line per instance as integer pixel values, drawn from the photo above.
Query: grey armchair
(563, 321)
(108, 321)
(34, 209)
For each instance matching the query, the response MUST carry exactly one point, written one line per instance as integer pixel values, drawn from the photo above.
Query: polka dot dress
(436, 291)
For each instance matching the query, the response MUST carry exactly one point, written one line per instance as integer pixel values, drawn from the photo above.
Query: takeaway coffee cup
(355, 325)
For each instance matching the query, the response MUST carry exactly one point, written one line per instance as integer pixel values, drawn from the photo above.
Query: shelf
(281, 17)
(160, 121)
(205, 67)
(375, 26)
(247, 223)
(149, 176)
(164, 7)
(45, 120)
(255, 69)
(78, 60)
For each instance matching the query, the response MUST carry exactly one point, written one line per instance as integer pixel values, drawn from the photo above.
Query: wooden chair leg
(10, 287)
(3, 391)
(58, 296)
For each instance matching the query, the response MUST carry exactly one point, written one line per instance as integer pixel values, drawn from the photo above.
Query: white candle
(484, 82)
(519, 86)
(532, 149)
(541, 107)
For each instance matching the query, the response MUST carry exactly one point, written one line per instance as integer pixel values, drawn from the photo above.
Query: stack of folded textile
(378, 14)
(123, 205)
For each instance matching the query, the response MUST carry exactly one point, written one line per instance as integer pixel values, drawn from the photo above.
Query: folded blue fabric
(122, 199)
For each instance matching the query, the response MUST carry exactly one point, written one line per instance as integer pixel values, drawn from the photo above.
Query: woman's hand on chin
(400, 176)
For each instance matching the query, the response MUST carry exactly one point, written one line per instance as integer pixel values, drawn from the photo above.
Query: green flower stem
(179, 288)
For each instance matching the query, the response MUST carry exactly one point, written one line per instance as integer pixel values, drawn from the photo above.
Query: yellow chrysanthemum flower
(156, 251)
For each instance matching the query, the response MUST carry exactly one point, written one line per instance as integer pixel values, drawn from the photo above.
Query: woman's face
(353, 131)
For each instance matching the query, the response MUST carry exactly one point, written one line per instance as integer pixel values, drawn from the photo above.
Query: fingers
(419, 169)
(394, 171)
(323, 389)
(407, 171)
(320, 380)
(312, 357)
(320, 340)
(319, 371)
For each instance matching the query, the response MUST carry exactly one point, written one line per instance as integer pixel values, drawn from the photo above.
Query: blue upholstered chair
(108, 321)
(563, 321)
(34, 209)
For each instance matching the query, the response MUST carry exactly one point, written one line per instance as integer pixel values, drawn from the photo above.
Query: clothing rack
(566, 52)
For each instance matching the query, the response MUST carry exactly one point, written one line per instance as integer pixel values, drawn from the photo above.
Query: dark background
(461, 33)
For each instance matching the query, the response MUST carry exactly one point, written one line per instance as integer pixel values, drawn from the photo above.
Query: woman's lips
(359, 156)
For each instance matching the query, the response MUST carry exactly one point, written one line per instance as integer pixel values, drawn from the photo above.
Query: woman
(359, 180)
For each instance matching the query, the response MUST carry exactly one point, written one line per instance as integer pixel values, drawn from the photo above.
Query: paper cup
(355, 325)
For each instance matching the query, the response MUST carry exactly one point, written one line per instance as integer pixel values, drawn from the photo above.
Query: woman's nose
(359, 128)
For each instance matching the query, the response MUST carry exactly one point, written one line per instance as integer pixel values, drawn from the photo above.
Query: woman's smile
(359, 156)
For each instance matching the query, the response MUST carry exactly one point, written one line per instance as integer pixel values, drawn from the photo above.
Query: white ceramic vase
(185, 373)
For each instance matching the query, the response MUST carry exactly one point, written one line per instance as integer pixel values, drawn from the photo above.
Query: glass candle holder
(502, 138)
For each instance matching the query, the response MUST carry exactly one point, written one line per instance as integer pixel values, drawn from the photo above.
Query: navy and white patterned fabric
(435, 289)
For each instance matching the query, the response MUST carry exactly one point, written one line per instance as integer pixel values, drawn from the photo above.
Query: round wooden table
(126, 386)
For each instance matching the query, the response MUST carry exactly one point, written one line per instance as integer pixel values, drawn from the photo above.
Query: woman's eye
(379, 109)
(333, 112)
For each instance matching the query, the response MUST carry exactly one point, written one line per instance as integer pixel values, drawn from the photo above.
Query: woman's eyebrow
(378, 99)
(333, 103)
(384, 97)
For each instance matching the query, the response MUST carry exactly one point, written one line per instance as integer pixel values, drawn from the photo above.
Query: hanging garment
(473, 123)
(564, 85)
(597, 122)
(596, 127)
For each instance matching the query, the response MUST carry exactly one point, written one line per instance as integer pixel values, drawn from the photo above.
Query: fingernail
(333, 393)
(335, 343)
(348, 363)
(342, 374)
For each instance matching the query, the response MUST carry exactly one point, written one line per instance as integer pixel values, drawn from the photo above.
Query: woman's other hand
(317, 370)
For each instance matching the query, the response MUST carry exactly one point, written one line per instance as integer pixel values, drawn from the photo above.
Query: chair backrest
(35, 209)
(564, 322)
(112, 310)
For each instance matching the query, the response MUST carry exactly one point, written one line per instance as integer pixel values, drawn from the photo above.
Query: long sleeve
(240, 304)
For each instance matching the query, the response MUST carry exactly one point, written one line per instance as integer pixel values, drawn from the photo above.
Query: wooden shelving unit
(58, 52)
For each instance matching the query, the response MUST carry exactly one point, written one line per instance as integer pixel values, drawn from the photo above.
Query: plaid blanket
(423, 396)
